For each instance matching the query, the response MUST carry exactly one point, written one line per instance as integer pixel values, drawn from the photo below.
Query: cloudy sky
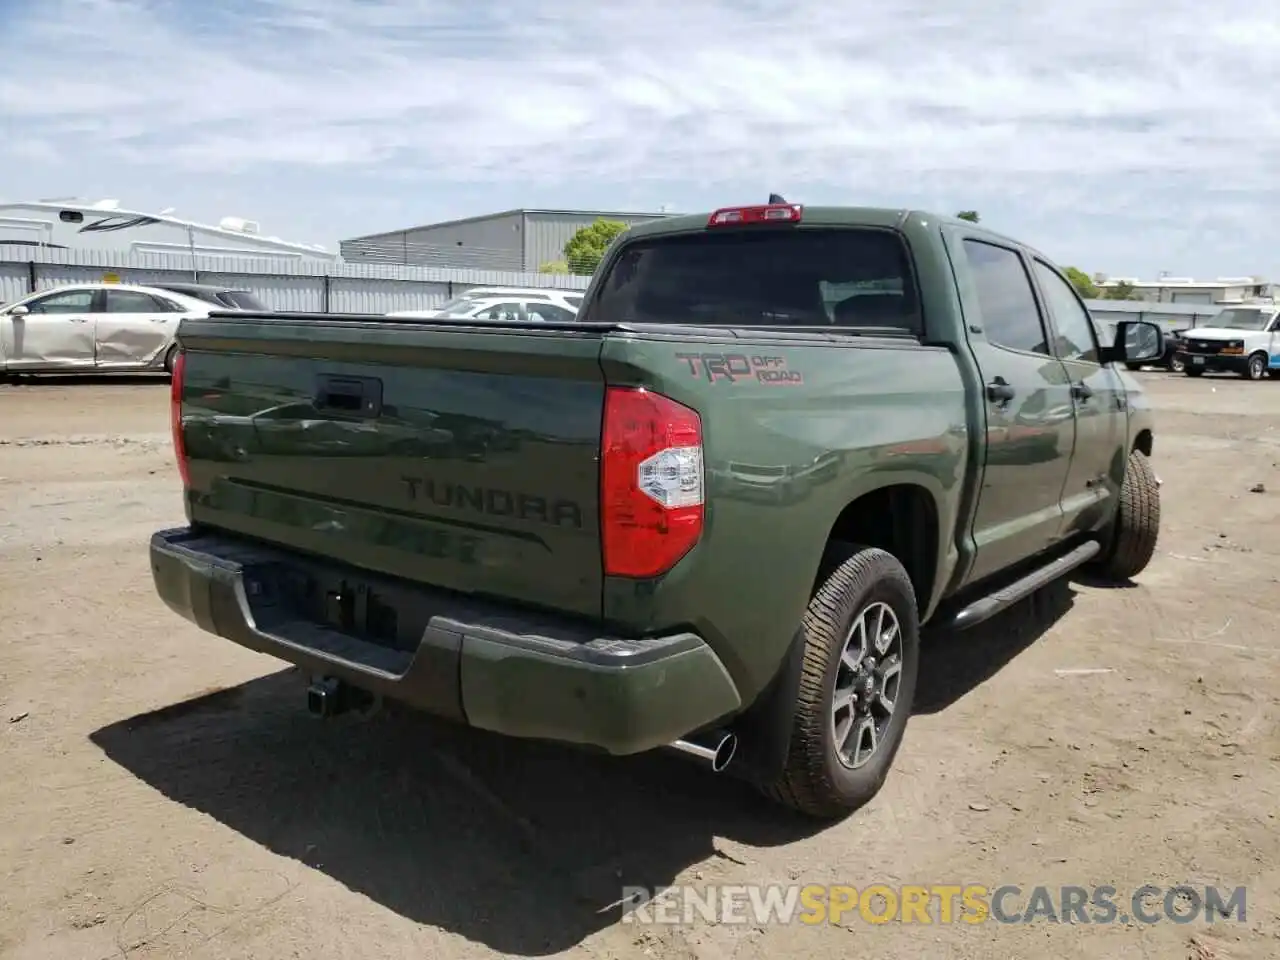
(1129, 137)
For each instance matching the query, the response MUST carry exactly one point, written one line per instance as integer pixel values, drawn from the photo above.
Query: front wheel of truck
(1131, 542)
(861, 659)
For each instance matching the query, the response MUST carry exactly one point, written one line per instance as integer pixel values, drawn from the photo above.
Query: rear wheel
(1177, 363)
(1131, 542)
(1257, 367)
(861, 658)
(169, 357)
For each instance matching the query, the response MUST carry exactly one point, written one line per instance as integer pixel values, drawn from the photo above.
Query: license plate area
(366, 607)
(1198, 361)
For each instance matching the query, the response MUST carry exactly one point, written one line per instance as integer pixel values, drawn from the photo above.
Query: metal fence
(317, 286)
(1171, 316)
(310, 286)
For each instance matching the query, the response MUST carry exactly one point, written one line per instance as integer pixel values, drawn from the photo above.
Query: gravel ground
(165, 795)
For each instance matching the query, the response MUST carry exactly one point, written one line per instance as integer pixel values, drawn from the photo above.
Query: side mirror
(19, 310)
(1137, 341)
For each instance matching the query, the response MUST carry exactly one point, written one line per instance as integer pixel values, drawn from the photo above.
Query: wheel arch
(902, 518)
(1144, 441)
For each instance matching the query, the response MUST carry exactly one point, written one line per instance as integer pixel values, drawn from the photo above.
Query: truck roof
(896, 217)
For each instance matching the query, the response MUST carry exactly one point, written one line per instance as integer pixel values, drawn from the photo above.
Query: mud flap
(764, 728)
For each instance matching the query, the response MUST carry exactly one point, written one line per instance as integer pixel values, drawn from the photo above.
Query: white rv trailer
(104, 225)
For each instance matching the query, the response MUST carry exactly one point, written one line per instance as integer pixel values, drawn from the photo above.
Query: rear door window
(548, 312)
(1010, 314)
(241, 300)
(506, 312)
(806, 277)
(462, 306)
(131, 301)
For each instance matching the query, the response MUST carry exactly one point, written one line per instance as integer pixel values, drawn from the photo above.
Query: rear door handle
(1081, 391)
(998, 391)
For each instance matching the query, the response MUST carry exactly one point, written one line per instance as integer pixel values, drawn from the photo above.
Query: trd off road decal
(737, 367)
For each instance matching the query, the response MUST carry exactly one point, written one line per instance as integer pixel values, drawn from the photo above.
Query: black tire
(816, 781)
(1256, 368)
(1177, 363)
(1194, 371)
(1131, 542)
(169, 358)
(1133, 366)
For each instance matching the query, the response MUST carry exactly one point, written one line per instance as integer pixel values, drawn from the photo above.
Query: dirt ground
(165, 795)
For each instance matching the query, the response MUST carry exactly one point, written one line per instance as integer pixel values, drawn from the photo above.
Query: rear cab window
(853, 278)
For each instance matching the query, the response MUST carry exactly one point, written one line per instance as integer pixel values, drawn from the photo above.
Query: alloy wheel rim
(865, 694)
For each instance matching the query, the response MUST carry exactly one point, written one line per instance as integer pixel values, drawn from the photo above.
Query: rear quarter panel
(792, 435)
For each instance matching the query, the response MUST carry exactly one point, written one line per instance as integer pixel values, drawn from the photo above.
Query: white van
(1242, 338)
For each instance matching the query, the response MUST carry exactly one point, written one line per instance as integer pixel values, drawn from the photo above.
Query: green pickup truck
(711, 514)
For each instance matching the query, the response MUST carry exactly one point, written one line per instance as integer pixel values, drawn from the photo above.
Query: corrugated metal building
(302, 285)
(1186, 290)
(514, 240)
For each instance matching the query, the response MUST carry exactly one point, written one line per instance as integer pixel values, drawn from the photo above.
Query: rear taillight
(175, 416)
(651, 482)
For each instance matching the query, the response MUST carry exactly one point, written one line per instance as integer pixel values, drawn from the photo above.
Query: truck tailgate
(462, 458)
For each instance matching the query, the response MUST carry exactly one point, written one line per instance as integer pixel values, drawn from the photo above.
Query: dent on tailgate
(463, 461)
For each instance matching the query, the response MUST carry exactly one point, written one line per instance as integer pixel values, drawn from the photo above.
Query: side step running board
(984, 608)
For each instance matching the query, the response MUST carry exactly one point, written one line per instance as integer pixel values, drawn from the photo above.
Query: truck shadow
(957, 662)
(522, 846)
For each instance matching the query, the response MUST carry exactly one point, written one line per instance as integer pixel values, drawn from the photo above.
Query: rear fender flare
(946, 513)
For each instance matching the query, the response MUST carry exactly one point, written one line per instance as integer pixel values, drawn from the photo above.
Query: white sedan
(495, 303)
(94, 328)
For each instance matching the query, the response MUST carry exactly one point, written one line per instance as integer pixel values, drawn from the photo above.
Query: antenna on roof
(776, 198)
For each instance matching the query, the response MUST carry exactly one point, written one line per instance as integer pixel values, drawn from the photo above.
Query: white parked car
(497, 303)
(1244, 339)
(94, 328)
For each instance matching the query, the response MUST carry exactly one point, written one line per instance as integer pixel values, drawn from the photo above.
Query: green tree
(554, 266)
(1121, 291)
(970, 215)
(1080, 280)
(585, 248)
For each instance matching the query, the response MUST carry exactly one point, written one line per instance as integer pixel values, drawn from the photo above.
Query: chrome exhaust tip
(714, 749)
